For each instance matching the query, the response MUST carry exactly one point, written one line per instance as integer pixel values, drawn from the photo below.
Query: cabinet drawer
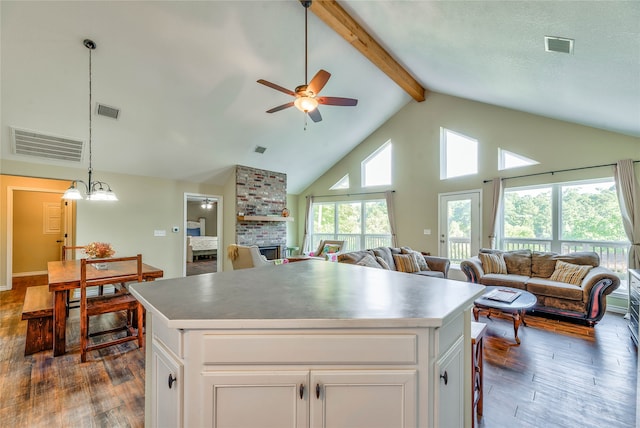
(310, 349)
(171, 337)
(450, 332)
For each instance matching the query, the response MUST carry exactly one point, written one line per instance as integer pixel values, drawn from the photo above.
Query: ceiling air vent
(107, 111)
(43, 146)
(558, 44)
(260, 149)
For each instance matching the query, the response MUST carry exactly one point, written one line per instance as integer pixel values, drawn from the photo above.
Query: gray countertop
(308, 294)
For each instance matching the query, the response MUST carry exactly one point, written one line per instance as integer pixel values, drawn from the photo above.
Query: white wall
(415, 134)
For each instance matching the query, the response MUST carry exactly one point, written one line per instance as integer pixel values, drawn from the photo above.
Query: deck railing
(353, 242)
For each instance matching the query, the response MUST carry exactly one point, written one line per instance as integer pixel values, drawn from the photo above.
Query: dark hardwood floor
(42, 391)
(562, 375)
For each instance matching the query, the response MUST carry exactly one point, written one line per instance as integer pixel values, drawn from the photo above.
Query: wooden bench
(38, 311)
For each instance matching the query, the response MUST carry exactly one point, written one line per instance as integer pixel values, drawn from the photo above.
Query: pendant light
(94, 190)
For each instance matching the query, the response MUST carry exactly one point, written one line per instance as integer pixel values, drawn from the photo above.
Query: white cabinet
(363, 398)
(269, 399)
(449, 397)
(315, 398)
(167, 387)
(309, 378)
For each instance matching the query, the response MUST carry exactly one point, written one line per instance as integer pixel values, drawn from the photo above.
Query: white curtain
(308, 221)
(388, 195)
(627, 189)
(495, 210)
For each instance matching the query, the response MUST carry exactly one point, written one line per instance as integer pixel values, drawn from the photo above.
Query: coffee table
(516, 309)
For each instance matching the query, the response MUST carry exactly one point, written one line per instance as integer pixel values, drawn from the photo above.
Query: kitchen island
(308, 344)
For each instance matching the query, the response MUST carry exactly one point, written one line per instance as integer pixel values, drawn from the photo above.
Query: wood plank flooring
(42, 391)
(562, 375)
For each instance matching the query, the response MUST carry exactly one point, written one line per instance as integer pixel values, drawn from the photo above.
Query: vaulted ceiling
(184, 75)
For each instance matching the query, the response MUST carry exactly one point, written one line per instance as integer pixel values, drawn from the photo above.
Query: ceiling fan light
(306, 104)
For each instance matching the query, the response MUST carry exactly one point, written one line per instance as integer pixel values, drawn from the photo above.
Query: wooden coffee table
(516, 308)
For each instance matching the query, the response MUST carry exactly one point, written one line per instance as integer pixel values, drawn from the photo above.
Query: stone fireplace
(261, 193)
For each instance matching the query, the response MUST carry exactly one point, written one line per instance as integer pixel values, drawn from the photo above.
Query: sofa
(572, 286)
(402, 259)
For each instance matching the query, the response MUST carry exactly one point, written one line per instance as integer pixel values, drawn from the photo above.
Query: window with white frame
(567, 217)
(361, 224)
(376, 168)
(343, 183)
(509, 160)
(458, 154)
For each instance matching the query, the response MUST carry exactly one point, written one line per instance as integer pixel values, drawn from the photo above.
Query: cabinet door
(363, 398)
(167, 386)
(449, 391)
(252, 399)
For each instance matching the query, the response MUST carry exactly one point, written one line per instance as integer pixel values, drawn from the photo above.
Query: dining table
(64, 276)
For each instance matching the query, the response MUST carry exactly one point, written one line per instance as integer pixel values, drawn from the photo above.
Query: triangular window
(508, 160)
(343, 183)
(376, 168)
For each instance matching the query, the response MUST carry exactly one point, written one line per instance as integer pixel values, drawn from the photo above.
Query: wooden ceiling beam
(332, 14)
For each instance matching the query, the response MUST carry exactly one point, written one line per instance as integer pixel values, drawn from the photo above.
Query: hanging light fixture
(95, 190)
(207, 204)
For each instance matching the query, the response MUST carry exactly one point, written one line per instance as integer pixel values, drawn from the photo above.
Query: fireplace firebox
(271, 252)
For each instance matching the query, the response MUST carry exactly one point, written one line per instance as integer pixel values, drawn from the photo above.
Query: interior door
(459, 225)
(66, 224)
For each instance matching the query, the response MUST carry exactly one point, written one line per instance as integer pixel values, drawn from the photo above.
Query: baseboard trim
(21, 274)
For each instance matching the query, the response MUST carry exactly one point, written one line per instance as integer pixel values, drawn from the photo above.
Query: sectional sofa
(399, 259)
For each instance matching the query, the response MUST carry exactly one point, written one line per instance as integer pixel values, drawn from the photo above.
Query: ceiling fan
(306, 96)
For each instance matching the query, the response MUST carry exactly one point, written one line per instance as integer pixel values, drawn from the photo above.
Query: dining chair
(108, 303)
(70, 252)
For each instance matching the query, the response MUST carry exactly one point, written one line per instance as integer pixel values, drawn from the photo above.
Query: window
(567, 217)
(361, 224)
(508, 160)
(376, 169)
(343, 183)
(458, 154)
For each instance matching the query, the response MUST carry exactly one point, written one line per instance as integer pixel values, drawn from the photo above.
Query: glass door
(459, 225)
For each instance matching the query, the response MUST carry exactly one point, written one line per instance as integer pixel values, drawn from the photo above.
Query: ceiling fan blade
(276, 87)
(282, 107)
(318, 81)
(337, 101)
(315, 115)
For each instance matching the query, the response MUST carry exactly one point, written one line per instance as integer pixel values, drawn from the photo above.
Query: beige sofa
(533, 271)
(383, 258)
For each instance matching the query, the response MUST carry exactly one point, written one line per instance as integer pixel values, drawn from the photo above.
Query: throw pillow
(406, 263)
(569, 273)
(493, 263)
(369, 261)
(330, 249)
(382, 263)
(422, 263)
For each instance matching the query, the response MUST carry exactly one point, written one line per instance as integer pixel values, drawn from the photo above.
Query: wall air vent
(43, 146)
(107, 111)
(260, 149)
(558, 44)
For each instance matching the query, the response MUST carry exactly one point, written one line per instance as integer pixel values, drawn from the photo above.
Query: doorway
(38, 224)
(459, 225)
(202, 234)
